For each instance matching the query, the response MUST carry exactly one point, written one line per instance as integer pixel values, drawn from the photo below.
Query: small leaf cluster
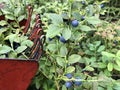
(13, 43)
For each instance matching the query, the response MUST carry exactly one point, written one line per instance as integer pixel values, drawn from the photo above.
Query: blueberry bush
(81, 50)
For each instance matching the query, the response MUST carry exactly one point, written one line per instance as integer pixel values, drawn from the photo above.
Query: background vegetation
(82, 45)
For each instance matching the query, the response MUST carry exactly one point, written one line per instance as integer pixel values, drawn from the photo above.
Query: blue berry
(102, 5)
(115, 42)
(83, 2)
(69, 75)
(68, 84)
(1, 27)
(83, 17)
(50, 39)
(75, 23)
(62, 39)
(15, 45)
(78, 81)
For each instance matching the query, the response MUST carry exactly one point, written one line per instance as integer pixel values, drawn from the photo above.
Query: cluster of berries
(77, 81)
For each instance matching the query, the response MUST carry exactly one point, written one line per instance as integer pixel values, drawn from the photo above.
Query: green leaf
(11, 37)
(110, 66)
(92, 47)
(2, 23)
(118, 53)
(5, 49)
(97, 43)
(20, 49)
(4, 29)
(52, 69)
(23, 38)
(108, 54)
(28, 43)
(76, 15)
(12, 55)
(100, 88)
(37, 83)
(107, 73)
(101, 48)
(63, 51)
(21, 17)
(6, 11)
(90, 10)
(93, 20)
(66, 33)
(60, 61)
(109, 87)
(116, 67)
(56, 19)
(85, 28)
(118, 62)
(70, 69)
(9, 16)
(17, 11)
(52, 47)
(53, 31)
(74, 58)
(64, 87)
(116, 86)
(64, 78)
(88, 68)
(65, 15)
(77, 36)
(2, 56)
(101, 65)
(91, 60)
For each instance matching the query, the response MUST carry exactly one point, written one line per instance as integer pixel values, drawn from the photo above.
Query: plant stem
(96, 54)
(70, 9)
(18, 25)
(56, 81)
(105, 43)
(44, 74)
(57, 85)
(25, 56)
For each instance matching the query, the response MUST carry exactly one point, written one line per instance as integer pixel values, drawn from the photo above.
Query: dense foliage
(13, 43)
(81, 51)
